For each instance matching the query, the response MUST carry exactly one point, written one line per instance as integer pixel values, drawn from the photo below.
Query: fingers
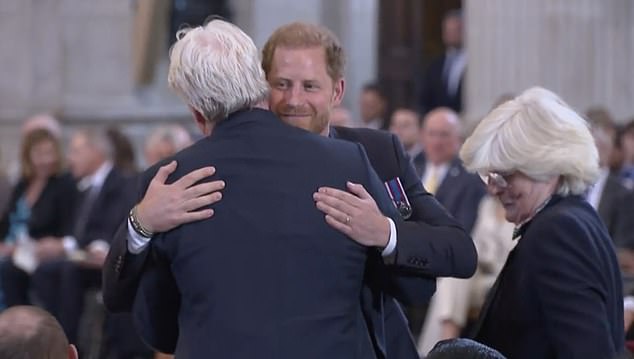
(196, 216)
(204, 189)
(342, 227)
(333, 212)
(164, 172)
(335, 197)
(202, 201)
(189, 179)
(359, 190)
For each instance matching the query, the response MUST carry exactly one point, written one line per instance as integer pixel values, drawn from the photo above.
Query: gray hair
(174, 134)
(98, 139)
(216, 69)
(539, 135)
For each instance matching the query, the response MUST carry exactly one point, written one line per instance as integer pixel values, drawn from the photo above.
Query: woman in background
(40, 208)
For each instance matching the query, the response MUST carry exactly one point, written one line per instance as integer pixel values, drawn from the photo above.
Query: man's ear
(72, 352)
(339, 89)
(201, 121)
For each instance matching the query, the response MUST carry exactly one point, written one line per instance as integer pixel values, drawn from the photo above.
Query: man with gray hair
(266, 277)
(29, 332)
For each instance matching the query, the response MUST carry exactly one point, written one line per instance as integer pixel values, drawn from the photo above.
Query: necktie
(85, 204)
(431, 183)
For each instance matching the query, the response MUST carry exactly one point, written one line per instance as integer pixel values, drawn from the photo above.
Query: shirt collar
(97, 179)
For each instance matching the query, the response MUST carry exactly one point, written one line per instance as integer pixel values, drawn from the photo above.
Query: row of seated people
(58, 222)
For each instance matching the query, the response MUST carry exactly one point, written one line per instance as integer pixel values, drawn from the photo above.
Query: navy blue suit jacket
(430, 243)
(559, 294)
(266, 277)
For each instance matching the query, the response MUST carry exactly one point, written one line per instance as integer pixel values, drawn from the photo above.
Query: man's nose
(294, 96)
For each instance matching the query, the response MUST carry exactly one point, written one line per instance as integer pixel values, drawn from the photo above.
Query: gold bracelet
(137, 226)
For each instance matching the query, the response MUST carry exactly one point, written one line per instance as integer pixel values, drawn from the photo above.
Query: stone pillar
(581, 49)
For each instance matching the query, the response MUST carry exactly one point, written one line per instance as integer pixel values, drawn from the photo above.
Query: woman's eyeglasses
(498, 180)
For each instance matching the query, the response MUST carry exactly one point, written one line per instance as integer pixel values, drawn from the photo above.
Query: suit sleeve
(156, 303)
(406, 287)
(122, 270)
(570, 291)
(430, 242)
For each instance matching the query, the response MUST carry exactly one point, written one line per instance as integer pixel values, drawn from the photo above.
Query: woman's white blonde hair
(539, 135)
(216, 69)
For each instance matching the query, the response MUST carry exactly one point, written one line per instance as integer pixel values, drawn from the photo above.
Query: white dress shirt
(137, 243)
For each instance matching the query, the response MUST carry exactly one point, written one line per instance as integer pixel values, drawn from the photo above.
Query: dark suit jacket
(616, 210)
(559, 294)
(434, 92)
(110, 208)
(460, 191)
(51, 214)
(430, 243)
(266, 277)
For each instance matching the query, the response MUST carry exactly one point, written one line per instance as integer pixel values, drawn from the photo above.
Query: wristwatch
(136, 225)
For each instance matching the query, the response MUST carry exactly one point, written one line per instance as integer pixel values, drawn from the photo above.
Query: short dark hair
(461, 348)
(29, 332)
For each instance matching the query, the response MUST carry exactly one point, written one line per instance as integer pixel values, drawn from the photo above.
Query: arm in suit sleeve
(430, 242)
(157, 302)
(406, 287)
(122, 269)
(570, 291)
(121, 272)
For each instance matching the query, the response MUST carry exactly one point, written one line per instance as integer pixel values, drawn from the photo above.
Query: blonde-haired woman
(559, 294)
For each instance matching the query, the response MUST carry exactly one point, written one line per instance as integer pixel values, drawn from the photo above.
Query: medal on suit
(399, 198)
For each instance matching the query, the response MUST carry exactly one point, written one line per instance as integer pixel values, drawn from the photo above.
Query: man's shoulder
(365, 136)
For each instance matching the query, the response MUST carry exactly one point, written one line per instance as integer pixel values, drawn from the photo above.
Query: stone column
(581, 49)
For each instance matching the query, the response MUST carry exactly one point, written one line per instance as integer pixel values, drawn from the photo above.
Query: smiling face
(302, 93)
(521, 195)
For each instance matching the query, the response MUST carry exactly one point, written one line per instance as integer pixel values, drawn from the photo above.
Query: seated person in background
(626, 141)
(123, 155)
(40, 209)
(42, 121)
(405, 124)
(608, 196)
(30, 332)
(164, 141)
(340, 116)
(457, 301)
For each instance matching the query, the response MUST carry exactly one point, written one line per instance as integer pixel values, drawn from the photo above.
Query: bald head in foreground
(28, 332)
